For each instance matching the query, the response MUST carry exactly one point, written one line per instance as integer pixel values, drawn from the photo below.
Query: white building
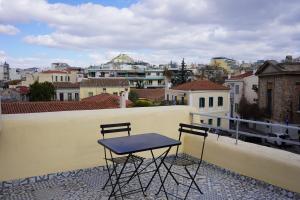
(4, 71)
(14, 74)
(66, 91)
(245, 84)
(210, 98)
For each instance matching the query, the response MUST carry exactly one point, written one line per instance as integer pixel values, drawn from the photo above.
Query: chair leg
(192, 182)
(110, 174)
(169, 170)
(118, 178)
(136, 169)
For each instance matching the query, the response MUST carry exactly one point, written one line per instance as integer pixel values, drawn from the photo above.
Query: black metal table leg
(157, 170)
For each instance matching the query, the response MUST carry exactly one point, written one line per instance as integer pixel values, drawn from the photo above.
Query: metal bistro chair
(184, 160)
(117, 161)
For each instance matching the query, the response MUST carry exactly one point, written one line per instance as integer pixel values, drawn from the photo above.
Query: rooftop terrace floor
(216, 183)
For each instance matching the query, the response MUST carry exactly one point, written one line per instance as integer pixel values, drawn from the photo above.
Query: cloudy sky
(83, 32)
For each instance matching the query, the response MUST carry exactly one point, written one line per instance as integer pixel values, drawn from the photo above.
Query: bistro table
(129, 145)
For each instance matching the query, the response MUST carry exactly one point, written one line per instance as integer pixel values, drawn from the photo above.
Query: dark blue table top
(138, 143)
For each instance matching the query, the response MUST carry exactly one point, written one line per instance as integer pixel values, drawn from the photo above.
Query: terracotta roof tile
(54, 106)
(54, 72)
(58, 85)
(241, 76)
(106, 97)
(151, 94)
(105, 82)
(23, 89)
(200, 85)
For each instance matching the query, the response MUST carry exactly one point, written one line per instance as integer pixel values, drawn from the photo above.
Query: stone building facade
(279, 91)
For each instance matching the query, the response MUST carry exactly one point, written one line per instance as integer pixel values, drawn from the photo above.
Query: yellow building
(53, 76)
(225, 63)
(92, 87)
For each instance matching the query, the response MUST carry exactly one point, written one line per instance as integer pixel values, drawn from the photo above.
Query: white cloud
(2, 56)
(8, 29)
(161, 30)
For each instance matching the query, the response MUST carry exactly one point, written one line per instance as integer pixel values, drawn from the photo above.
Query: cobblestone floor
(216, 183)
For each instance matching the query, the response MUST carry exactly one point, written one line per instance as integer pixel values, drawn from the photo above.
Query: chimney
(122, 100)
(289, 58)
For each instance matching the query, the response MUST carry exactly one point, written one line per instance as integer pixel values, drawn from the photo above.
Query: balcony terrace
(56, 156)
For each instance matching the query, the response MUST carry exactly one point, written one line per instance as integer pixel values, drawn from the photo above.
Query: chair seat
(122, 159)
(180, 161)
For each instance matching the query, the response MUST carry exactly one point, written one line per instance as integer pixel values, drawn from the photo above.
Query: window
(269, 101)
(157, 73)
(211, 101)
(76, 96)
(91, 94)
(201, 102)
(299, 102)
(61, 96)
(220, 101)
(201, 121)
(176, 99)
(56, 78)
(69, 96)
(104, 89)
(182, 100)
(237, 89)
(115, 93)
(150, 82)
(68, 78)
(55, 96)
(236, 107)
(168, 97)
(210, 121)
(219, 122)
(159, 82)
(61, 78)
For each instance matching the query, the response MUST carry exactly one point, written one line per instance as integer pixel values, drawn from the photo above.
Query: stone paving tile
(216, 184)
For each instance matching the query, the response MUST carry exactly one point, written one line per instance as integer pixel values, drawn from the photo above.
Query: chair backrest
(194, 130)
(115, 128)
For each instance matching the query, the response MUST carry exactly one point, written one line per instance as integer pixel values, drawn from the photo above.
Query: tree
(182, 73)
(249, 111)
(133, 96)
(41, 91)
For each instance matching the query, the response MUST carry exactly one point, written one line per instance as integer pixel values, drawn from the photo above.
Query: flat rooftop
(215, 182)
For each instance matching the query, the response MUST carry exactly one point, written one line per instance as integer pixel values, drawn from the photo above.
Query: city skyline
(37, 33)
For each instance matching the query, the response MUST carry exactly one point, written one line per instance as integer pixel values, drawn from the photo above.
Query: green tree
(41, 91)
(249, 110)
(133, 96)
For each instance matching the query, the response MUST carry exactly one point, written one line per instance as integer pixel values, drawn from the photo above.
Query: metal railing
(238, 132)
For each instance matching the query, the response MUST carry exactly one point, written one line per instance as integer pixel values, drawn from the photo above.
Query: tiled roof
(54, 106)
(23, 89)
(241, 76)
(280, 68)
(200, 85)
(54, 72)
(105, 97)
(105, 82)
(61, 85)
(151, 94)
